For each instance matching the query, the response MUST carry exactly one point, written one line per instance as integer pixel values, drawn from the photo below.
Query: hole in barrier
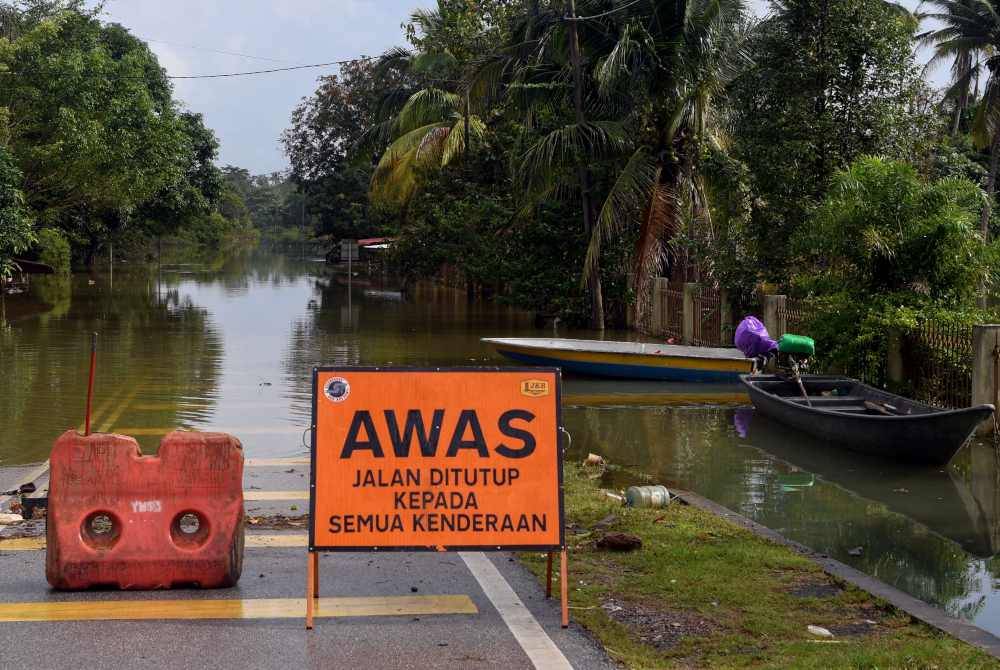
(101, 529)
(189, 524)
(189, 529)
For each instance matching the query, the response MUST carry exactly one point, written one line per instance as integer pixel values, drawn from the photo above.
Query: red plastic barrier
(118, 518)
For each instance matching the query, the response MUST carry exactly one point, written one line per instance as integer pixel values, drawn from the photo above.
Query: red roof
(374, 240)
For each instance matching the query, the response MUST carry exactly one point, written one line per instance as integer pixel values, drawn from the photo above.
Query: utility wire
(277, 69)
(238, 74)
(217, 51)
(602, 14)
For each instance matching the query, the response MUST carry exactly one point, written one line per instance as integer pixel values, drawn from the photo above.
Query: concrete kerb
(918, 609)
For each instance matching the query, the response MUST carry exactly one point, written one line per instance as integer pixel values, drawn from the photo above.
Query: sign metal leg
(315, 571)
(311, 579)
(548, 576)
(564, 584)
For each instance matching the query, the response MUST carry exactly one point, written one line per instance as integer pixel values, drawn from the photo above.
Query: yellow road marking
(22, 544)
(288, 540)
(257, 608)
(99, 411)
(275, 495)
(110, 421)
(274, 462)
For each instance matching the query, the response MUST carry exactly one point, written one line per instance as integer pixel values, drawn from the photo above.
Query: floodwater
(229, 343)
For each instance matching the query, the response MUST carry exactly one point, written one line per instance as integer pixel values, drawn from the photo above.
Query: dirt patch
(658, 627)
(278, 522)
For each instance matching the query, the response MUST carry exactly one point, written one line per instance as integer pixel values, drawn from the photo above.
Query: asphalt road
(484, 639)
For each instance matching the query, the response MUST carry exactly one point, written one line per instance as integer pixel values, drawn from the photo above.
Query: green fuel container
(798, 345)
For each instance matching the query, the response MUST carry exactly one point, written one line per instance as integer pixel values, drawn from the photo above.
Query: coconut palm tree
(424, 123)
(684, 70)
(973, 27)
(657, 72)
(951, 44)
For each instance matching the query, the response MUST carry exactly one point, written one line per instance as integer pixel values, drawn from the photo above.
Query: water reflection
(931, 533)
(157, 348)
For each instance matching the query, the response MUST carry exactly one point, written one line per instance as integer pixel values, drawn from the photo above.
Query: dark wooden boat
(855, 416)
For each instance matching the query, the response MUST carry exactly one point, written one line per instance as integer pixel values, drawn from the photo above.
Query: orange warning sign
(436, 459)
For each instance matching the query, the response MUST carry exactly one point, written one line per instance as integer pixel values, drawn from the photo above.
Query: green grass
(731, 593)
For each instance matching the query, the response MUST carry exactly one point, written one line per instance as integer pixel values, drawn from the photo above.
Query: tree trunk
(594, 279)
(965, 64)
(984, 219)
(468, 136)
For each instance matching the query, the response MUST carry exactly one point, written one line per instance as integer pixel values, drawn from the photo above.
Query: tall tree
(832, 80)
(91, 121)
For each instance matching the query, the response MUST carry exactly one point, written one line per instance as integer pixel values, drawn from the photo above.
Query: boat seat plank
(831, 400)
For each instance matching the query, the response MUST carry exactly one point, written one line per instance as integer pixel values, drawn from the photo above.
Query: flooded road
(229, 345)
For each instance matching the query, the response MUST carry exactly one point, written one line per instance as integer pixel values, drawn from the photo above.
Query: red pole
(90, 382)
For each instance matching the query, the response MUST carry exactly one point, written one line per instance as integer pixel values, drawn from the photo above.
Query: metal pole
(90, 382)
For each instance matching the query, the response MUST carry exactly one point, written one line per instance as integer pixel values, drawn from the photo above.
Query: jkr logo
(534, 388)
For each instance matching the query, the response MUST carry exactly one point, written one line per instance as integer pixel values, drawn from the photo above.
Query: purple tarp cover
(753, 339)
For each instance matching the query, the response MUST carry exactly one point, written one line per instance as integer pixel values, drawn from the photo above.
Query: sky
(248, 114)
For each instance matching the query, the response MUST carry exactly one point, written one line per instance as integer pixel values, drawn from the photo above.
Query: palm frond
(455, 144)
(631, 192)
(428, 105)
(573, 145)
(660, 222)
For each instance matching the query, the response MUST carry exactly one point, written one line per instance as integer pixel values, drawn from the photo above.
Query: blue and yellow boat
(627, 360)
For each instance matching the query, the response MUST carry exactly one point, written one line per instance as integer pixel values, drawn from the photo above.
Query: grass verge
(704, 593)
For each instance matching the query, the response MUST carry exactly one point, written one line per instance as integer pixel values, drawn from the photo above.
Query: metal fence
(937, 361)
(795, 315)
(708, 330)
(673, 322)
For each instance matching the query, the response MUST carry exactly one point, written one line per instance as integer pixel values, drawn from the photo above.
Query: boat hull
(631, 366)
(931, 437)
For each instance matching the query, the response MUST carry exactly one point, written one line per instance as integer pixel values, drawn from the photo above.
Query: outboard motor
(795, 352)
(754, 341)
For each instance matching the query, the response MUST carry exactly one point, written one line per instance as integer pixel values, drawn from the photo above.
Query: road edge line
(534, 641)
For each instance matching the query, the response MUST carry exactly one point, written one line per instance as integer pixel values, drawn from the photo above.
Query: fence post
(659, 312)
(894, 371)
(690, 292)
(774, 315)
(985, 344)
(725, 317)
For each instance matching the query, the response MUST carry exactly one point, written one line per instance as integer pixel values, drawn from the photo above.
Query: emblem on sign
(534, 388)
(337, 389)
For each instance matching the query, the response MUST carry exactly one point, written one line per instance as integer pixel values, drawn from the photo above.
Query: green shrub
(53, 249)
(887, 250)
